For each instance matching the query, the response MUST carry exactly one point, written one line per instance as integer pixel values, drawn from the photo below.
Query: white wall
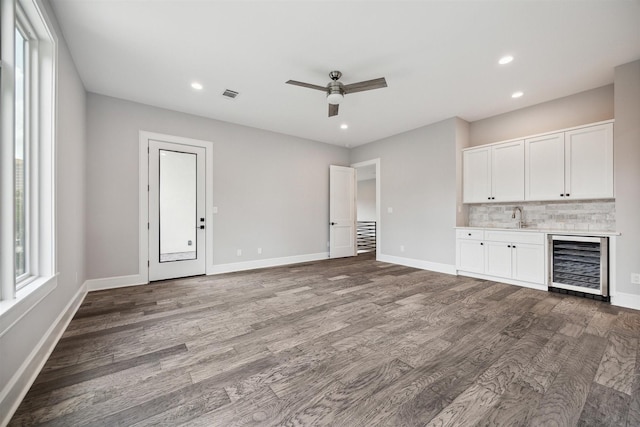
(418, 181)
(268, 187)
(367, 200)
(24, 346)
(627, 176)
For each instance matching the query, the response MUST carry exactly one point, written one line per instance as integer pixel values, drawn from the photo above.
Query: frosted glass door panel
(178, 204)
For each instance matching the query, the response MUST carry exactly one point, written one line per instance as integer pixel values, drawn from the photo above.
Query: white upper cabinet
(577, 164)
(494, 173)
(507, 172)
(589, 162)
(544, 167)
(476, 164)
(573, 164)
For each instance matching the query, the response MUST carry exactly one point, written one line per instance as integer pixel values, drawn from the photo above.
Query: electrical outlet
(259, 251)
(401, 248)
(215, 210)
(389, 210)
(635, 278)
(239, 252)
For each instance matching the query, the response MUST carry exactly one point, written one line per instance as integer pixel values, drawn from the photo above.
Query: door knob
(333, 223)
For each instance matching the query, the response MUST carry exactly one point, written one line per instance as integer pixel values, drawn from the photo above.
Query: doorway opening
(368, 206)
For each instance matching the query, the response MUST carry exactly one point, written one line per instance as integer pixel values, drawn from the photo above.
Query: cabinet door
(589, 162)
(528, 262)
(498, 259)
(476, 175)
(470, 256)
(544, 168)
(507, 172)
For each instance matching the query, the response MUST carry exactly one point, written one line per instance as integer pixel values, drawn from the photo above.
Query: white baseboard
(115, 282)
(529, 285)
(139, 279)
(264, 263)
(621, 299)
(417, 263)
(18, 386)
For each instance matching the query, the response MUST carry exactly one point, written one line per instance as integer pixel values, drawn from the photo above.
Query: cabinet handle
(469, 234)
(514, 246)
(481, 243)
(567, 194)
(561, 195)
(508, 246)
(488, 198)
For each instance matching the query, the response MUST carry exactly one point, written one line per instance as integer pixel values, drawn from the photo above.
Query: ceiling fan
(336, 91)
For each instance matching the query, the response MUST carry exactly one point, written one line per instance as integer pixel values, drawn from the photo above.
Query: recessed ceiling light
(505, 60)
(517, 94)
(196, 86)
(344, 126)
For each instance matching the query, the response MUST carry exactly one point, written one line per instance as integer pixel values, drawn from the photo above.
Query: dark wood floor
(350, 342)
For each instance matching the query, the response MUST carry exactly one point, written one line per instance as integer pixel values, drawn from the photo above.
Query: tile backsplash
(586, 215)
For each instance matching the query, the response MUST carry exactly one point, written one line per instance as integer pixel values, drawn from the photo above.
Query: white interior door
(342, 211)
(177, 241)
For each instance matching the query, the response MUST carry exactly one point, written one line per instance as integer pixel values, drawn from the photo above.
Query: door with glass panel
(176, 210)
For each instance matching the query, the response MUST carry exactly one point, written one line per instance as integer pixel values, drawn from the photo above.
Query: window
(20, 165)
(27, 153)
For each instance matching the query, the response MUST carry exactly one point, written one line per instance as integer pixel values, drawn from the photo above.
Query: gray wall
(462, 141)
(367, 200)
(268, 187)
(585, 107)
(627, 173)
(23, 337)
(418, 180)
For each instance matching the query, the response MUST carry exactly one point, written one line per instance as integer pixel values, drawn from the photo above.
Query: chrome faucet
(513, 215)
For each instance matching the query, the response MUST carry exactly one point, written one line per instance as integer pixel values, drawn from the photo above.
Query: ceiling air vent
(231, 94)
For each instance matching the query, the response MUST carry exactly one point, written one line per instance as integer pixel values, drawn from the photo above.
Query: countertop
(549, 231)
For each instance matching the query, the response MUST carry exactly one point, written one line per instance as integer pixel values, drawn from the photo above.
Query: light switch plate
(635, 278)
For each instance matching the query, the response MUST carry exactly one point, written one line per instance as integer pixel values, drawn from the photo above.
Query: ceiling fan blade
(307, 85)
(366, 85)
(333, 110)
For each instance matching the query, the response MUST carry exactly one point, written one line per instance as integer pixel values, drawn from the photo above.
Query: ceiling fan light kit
(336, 91)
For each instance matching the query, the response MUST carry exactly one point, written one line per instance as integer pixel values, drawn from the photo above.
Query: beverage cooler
(579, 264)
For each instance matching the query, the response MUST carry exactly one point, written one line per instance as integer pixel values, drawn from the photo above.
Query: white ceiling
(439, 57)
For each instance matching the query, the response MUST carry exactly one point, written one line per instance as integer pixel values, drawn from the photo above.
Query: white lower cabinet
(518, 256)
(498, 259)
(471, 256)
(527, 263)
(519, 261)
(470, 250)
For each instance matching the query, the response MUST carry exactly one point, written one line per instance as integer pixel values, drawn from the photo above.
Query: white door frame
(143, 198)
(375, 162)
